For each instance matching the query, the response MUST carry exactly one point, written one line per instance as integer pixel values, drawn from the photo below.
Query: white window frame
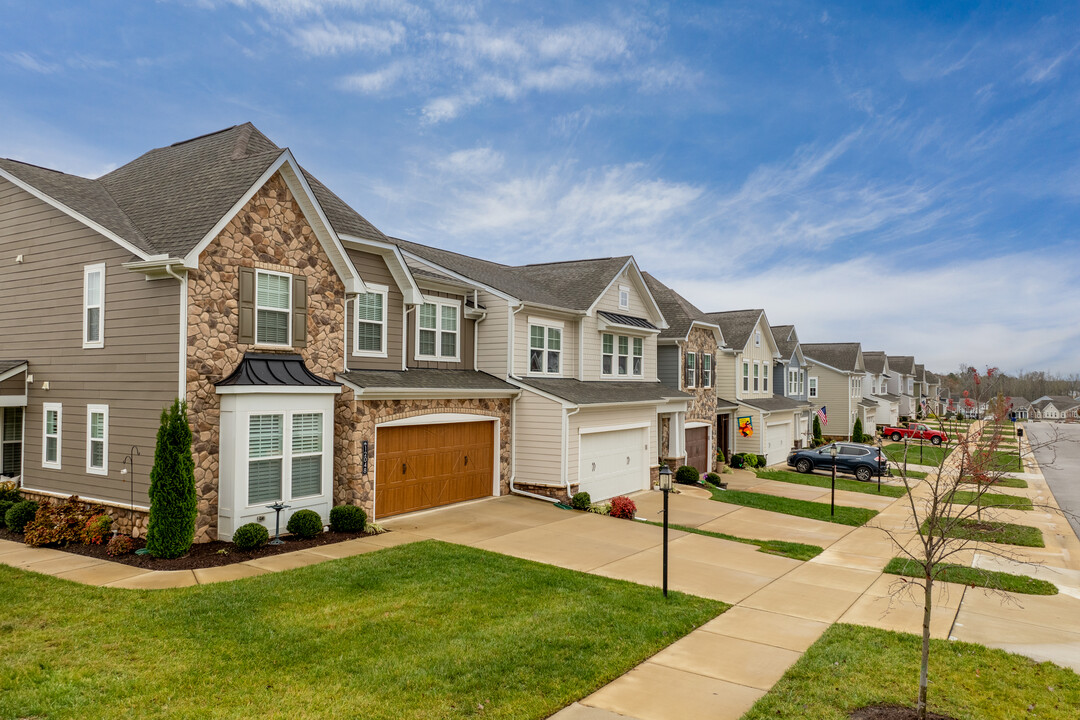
(605, 355)
(288, 311)
(688, 361)
(706, 370)
(58, 408)
(546, 350)
(90, 411)
(634, 341)
(757, 338)
(292, 455)
(746, 376)
(812, 387)
(757, 376)
(439, 304)
(624, 292)
(89, 270)
(620, 356)
(765, 377)
(802, 378)
(21, 442)
(792, 382)
(357, 351)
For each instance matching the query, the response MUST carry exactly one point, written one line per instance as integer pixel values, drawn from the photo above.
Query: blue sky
(903, 176)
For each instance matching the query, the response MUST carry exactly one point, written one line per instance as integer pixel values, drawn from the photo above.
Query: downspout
(580, 374)
(513, 456)
(476, 331)
(566, 446)
(182, 355)
(345, 336)
(512, 325)
(405, 335)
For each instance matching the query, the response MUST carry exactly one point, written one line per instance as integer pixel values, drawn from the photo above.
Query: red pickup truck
(915, 431)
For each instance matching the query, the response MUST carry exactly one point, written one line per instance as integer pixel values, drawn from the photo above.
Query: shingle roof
(1018, 403)
(903, 364)
(786, 339)
(679, 312)
(920, 372)
(628, 320)
(874, 360)
(583, 392)
(6, 365)
(842, 356)
(425, 379)
(867, 403)
(888, 396)
(272, 369)
(776, 403)
(166, 200)
(737, 325)
(1062, 402)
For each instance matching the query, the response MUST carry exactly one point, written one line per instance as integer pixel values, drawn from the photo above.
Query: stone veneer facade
(702, 407)
(271, 233)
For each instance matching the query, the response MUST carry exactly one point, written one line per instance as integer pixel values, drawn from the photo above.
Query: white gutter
(565, 447)
(513, 456)
(345, 334)
(182, 359)
(512, 325)
(405, 335)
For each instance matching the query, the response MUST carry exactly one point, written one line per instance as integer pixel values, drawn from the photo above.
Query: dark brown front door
(723, 432)
(697, 448)
(424, 466)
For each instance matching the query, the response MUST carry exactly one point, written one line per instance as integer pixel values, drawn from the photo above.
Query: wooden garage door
(697, 448)
(424, 466)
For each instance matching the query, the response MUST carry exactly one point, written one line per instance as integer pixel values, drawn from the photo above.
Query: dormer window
(757, 338)
(624, 297)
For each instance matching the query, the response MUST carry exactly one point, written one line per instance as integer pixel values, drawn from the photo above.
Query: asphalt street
(1060, 462)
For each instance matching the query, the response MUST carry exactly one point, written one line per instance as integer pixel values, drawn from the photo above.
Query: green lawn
(1006, 482)
(931, 455)
(1013, 502)
(851, 667)
(423, 630)
(823, 481)
(974, 576)
(793, 550)
(916, 474)
(997, 532)
(788, 506)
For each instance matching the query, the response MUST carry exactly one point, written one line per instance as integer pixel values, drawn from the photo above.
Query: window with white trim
(757, 375)
(624, 355)
(607, 353)
(746, 376)
(437, 331)
(691, 369)
(266, 454)
(802, 378)
(856, 387)
(545, 350)
(765, 377)
(307, 455)
(624, 297)
(273, 308)
(97, 439)
(52, 427)
(637, 366)
(370, 329)
(11, 441)
(94, 306)
(706, 370)
(757, 338)
(792, 382)
(811, 385)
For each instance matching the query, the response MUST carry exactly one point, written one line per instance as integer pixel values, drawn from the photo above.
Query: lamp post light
(665, 487)
(832, 501)
(1019, 449)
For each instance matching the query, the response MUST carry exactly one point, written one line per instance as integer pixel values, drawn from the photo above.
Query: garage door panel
(779, 440)
(612, 463)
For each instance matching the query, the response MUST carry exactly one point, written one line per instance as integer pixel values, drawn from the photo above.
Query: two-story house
(876, 388)
(789, 375)
(686, 359)
(317, 369)
(837, 372)
(580, 341)
(763, 422)
(902, 382)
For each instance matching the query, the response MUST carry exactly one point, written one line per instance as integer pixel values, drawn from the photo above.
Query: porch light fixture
(665, 487)
(832, 500)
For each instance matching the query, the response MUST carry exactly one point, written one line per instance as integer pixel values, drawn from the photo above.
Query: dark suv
(862, 461)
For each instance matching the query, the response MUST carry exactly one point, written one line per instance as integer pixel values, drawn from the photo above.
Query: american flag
(823, 415)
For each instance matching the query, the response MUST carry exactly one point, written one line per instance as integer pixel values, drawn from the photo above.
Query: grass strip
(851, 667)
(1008, 482)
(931, 454)
(783, 548)
(916, 474)
(424, 630)
(975, 577)
(996, 532)
(821, 481)
(800, 508)
(968, 497)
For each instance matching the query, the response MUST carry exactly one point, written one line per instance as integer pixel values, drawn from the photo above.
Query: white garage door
(778, 441)
(612, 463)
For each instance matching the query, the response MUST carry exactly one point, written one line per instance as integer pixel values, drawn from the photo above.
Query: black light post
(277, 508)
(832, 501)
(1019, 449)
(665, 487)
(881, 470)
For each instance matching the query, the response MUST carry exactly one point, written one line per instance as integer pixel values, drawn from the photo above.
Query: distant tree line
(1029, 384)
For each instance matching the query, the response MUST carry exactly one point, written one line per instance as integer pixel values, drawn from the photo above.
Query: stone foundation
(125, 521)
(558, 492)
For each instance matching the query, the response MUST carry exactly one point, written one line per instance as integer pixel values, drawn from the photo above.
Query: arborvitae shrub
(173, 505)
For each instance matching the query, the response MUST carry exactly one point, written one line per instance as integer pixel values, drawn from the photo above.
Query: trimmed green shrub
(720, 460)
(687, 475)
(856, 432)
(250, 536)
(347, 518)
(622, 507)
(19, 515)
(305, 523)
(581, 501)
(120, 545)
(817, 430)
(5, 505)
(713, 478)
(173, 505)
(760, 461)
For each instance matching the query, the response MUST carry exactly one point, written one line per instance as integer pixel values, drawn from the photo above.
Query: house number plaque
(363, 457)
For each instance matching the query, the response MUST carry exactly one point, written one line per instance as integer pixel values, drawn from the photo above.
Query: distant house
(1055, 407)
(902, 382)
(876, 388)
(1019, 408)
(790, 374)
(836, 376)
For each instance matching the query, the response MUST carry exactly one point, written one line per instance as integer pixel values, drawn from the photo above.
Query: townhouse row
(324, 362)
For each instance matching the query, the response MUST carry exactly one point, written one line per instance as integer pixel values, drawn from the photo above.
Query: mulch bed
(893, 712)
(201, 555)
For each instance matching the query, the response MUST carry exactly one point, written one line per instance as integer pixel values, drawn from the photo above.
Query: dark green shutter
(246, 306)
(299, 294)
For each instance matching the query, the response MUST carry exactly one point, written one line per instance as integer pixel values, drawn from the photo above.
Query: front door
(697, 448)
(723, 432)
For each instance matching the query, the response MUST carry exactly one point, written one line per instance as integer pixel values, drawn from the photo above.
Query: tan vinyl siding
(834, 392)
(15, 385)
(569, 342)
(638, 307)
(610, 417)
(136, 373)
(763, 355)
(726, 375)
(594, 352)
(466, 328)
(373, 269)
(756, 442)
(538, 424)
(491, 349)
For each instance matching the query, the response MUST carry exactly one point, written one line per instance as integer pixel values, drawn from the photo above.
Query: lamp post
(665, 487)
(832, 500)
(1019, 449)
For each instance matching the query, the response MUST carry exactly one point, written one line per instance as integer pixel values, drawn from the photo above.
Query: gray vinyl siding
(373, 269)
(136, 373)
(538, 428)
(668, 364)
(465, 338)
(834, 392)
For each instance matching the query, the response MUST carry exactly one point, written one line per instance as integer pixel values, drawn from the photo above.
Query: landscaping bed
(852, 669)
(975, 577)
(424, 630)
(201, 555)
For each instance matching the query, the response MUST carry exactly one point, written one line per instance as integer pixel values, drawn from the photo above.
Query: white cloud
(476, 161)
(28, 62)
(374, 82)
(333, 38)
(1040, 68)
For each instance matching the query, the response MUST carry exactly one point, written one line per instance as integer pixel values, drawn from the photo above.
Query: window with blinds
(370, 322)
(50, 451)
(11, 441)
(307, 447)
(275, 465)
(97, 439)
(93, 306)
(265, 455)
(273, 305)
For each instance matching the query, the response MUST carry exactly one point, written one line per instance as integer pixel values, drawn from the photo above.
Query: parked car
(916, 431)
(862, 461)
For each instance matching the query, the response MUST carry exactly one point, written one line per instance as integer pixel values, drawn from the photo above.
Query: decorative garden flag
(746, 426)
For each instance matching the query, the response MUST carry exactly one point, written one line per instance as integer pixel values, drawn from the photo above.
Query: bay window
(274, 465)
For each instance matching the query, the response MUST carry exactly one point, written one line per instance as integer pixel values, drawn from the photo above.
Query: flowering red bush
(120, 545)
(96, 529)
(623, 507)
